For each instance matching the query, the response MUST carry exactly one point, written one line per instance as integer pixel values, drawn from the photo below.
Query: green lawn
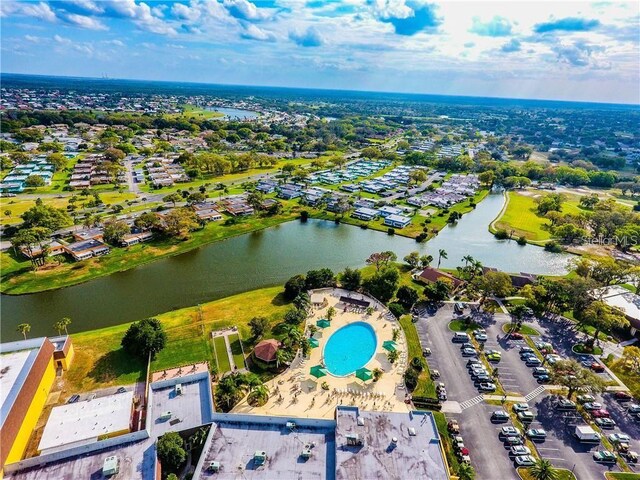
(19, 278)
(462, 326)
(236, 350)
(521, 216)
(562, 474)
(222, 357)
(622, 476)
(441, 423)
(100, 362)
(524, 329)
(425, 387)
(630, 378)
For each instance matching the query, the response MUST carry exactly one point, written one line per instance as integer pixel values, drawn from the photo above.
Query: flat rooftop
(193, 408)
(83, 422)
(11, 366)
(413, 456)
(234, 444)
(137, 462)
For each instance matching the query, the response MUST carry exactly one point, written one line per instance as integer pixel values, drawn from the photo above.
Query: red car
(597, 367)
(623, 396)
(516, 336)
(602, 413)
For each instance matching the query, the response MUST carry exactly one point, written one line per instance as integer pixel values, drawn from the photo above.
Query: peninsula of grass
(18, 277)
(562, 474)
(425, 387)
(463, 326)
(621, 476)
(101, 362)
(523, 329)
(520, 216)
(626, 374)
(584, 349)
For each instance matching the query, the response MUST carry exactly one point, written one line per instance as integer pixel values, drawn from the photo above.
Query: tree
(589, 201)
(543, 470)
(393, 356)
(439, 290)
(381, 259)
(294, 286)
(631, 357)
(302, 302)
(602, 318)
(466, 472)
(331, 312)
(294, 316)
(259, 395)
(144, 338)
(24, 328)
(173, 198)
(180, 222)
(62, 324)
(412, 259)
(147, 221)
(425, 260)
(255, 199)
(487, 178)
(351, 279)
(407, 296)
(417, 176)
(27, 239)
(115, 231)
(46, 216)
(441, 254)
(58, 160)
(494, 283)
(321, 278)
(383, 283)
(114, 154)
(196, 197)
(258, 326)
(573, 376)
(170, 451)
(34, 181)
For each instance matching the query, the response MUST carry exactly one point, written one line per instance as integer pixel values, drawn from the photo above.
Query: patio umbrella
(323, 323)
(318, 371)
(313, 343)
(364, 374)
(390, 345)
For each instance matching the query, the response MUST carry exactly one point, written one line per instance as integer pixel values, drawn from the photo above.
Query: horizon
(574, 51)
(318, 89)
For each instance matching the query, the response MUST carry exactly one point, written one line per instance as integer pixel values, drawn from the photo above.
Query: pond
(235, 113)
(256, 260)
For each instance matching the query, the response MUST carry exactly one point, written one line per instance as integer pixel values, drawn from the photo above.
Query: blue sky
(545, 49)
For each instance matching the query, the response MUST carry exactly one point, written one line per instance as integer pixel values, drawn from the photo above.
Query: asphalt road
(479, 434)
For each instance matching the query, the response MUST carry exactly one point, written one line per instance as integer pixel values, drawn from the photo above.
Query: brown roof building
(431, 275)
(266, 350)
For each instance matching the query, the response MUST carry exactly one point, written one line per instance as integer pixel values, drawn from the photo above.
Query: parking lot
(474, 416)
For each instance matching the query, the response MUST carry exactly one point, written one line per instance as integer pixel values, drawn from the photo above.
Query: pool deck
(297, 393)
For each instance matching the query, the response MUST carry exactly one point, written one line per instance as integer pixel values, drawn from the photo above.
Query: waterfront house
(365, 214)
(86, 249)
(431, 275)
(397, 221)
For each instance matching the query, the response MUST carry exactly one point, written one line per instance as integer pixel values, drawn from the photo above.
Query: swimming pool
(349, 348)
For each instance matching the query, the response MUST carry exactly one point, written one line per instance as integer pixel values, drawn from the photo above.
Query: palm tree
(441, 254)
(58, 326)
(331, 313)
(467, 259)
(281, 357)
(466, 472)
(24, 328)
(543, 470)
(64, 323)
(425, 260)
(198, 438)
(259, 394)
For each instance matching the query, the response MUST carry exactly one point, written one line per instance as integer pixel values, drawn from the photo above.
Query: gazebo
(266, 350)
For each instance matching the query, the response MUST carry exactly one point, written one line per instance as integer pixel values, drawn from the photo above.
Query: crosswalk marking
(531, 395)
(471, 402)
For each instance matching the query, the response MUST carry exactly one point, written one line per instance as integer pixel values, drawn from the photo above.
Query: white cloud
(62, 40)
(255, 33)
(85, 22)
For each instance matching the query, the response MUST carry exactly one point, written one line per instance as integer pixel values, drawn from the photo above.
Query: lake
(256, 260)
(235, 113)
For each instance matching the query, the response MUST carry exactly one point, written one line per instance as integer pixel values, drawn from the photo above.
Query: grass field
(425, 385)
(236, 350)
(521, 216)
(628, 377)
(562, 474)
(524, 329)
(441, 423)
(462, 326)
(222, 358)
(19, 278)
(101, 362)
(622, 476)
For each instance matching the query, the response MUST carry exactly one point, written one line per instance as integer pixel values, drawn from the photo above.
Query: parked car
(526, 416)
(543, 379)
(426, 352)
(513, 441)
(524, 350)
(468, 352)
(519, 450)
(493, 355)
(487, 387)
(536, 433)
(604, 456)
(533, 362)
(435, 373)
(460, 337)
(633, 408)
(582, 399)
(473, 361)
(466, 345)
(484, 378)
(520, 407)
(623, 396)
(481, 337)
(600, 413)
(509, 431)
(516, 336)
(121, 390)
(597, 367)
(552, 359)
(592, 406)
(540, 371)
(630, 456)
(565, 405)
(442, 395)
(453, 426)
(525, 460)
(479, 331)
(619, 438)
(500, 416)
(73, 398)
(605, 423)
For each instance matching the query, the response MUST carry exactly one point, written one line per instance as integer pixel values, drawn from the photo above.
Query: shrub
(144, 338)
(171, 452)
(522, 241)
(416, 363)
(553, 246)
(411, 379)
(396, 309)
(304, 216)
(391, 231)
(501, 234)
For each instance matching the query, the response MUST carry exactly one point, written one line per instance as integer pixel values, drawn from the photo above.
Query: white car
(525, 460)
(519, 450)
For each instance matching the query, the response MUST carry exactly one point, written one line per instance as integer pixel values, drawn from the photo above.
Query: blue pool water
(349, 348)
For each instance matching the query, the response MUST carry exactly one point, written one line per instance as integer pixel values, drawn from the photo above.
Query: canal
(256, 260)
